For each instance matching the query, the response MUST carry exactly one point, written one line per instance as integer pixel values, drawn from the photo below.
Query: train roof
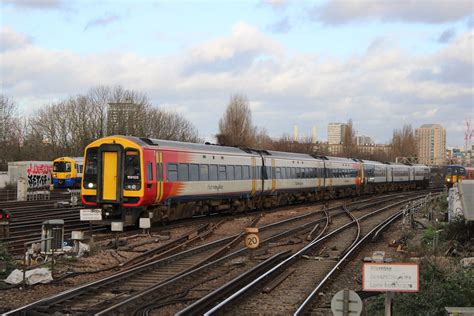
(287, 155)
(151, 142)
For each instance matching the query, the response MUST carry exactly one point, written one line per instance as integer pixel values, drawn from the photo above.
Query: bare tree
(286, 143)
(349, 144)
(127, 112)
(8, 118)
(235, 127)
(403, 142)
(9, 124)
(169, 125)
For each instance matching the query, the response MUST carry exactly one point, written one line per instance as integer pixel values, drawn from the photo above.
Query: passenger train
(129, 177)
(456, 173)
(67, 172)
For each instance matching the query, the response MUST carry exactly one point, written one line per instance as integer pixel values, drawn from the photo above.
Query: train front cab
(454, 174)
(66, 173)
(118, 179)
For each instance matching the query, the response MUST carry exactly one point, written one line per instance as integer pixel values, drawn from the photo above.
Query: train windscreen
(132, 179)
(90, 174)
(62, 166)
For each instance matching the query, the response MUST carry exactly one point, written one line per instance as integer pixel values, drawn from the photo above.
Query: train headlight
(68, 176)
(134, 187)
(91, 185)
(449, 179)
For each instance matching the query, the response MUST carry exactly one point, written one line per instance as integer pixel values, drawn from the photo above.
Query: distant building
(295, 133)
(364, 140)
(121, 118)
(336, 133)
(431, 144)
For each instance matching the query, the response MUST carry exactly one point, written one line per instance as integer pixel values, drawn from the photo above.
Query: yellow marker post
(252, 240)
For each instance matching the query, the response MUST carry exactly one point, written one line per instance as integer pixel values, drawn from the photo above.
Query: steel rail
(202, 267)
(294, 258)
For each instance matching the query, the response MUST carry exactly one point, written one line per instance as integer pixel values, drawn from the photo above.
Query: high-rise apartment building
(431, 143)
(336, 133)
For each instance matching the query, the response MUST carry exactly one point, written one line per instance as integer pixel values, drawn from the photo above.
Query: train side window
(230, 172)
(222, 173)
(193, 172)
(204, 172)
(183, 172)
(238, 172)
(172, 172)
(246, 172)
(212, 172)
(149, 171)
(277, 173)
(288, 173)
(269, 172)
(159, 171)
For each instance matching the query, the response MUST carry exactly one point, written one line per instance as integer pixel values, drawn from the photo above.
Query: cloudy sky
(382, 63)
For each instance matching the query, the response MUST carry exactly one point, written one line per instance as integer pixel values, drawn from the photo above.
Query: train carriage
(129, 177)
(343, 176)
(67, 172)
(375, 176)
(456, 173)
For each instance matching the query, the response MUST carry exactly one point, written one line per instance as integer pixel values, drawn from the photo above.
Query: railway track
(126, 291)
(25, 225)
(297, 275)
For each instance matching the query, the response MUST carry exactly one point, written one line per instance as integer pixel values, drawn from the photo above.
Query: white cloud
(423, 11)
(380, 89)
(10, 40)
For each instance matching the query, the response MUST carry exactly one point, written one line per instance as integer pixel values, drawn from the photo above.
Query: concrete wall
(3, 179)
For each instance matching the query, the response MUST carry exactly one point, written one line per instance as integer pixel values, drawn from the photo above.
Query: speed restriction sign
(252, 241)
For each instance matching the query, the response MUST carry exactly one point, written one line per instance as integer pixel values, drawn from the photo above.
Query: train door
(109, 186)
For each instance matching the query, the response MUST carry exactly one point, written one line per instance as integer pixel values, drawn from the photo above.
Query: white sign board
(391, 277)
(91, 214)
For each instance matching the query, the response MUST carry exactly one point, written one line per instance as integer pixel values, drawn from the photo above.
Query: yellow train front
(67, 172)
(457, 173)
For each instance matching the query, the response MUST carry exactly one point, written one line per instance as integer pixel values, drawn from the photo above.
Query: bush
(441, 284)
(7, 260)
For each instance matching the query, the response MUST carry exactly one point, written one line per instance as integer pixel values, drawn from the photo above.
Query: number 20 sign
(252, 241)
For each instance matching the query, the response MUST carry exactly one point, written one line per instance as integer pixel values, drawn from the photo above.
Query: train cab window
(172, 172)
(204, 172)
(183, 172)
(238, 172)
(246, 172)
(149, 171)
(62, 166)
(212, 172)
(230, 172)
(222, 173)
(193, 172)
(90, 176)
(132, 170)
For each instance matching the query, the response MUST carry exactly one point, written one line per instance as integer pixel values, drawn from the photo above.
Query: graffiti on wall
(39, 175)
